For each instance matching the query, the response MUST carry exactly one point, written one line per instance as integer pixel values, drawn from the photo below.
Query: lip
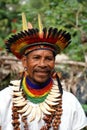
(42, 73)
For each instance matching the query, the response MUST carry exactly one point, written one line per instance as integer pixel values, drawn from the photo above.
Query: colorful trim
(37, 99)
(36, 95)
(39, 47)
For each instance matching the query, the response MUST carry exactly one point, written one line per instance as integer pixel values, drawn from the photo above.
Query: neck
(37, 85)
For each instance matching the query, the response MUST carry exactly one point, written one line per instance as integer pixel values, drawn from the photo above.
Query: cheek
(30, 66)
(52, 65)
(30, 63)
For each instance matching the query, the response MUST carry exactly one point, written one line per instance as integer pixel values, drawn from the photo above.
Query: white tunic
(73, 117)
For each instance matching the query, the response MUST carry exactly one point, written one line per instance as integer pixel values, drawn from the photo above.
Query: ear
(24, 61)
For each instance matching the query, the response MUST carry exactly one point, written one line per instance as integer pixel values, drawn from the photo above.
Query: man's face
(40, 64)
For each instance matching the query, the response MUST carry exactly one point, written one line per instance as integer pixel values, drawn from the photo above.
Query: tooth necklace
(48, 102)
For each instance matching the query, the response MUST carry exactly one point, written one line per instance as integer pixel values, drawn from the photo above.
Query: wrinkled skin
(40, 65)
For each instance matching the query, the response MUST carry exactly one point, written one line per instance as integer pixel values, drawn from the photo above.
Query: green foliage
(66, 14)
(85, 107)
(1, 43)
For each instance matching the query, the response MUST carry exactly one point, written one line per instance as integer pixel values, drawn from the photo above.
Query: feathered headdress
(32, 39)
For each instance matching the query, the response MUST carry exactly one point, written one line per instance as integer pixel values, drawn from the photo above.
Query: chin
(39, 81)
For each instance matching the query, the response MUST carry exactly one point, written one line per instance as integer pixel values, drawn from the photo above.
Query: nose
(42, 62)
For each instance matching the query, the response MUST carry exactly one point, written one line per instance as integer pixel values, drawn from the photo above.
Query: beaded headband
(32, 39)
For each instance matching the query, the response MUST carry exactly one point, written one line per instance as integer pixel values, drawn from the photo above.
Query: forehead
(41, 53)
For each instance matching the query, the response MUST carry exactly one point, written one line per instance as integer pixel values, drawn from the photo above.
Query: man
(37, 101)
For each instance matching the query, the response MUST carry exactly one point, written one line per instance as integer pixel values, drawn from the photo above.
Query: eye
(36, 57)
(50, 58)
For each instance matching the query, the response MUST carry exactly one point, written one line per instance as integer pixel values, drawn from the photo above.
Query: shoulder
(6, 94)
(72, 104)
(5, 99)
(69, 96)
(70, 100)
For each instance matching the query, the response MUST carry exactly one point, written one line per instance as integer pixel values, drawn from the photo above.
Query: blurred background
(70, 15)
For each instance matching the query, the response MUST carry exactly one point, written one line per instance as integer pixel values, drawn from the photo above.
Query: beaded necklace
(35, 93)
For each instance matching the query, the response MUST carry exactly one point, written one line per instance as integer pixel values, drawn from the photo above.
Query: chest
(66, 120)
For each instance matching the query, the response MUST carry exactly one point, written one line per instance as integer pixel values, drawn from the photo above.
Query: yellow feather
(40, 24)
(24, 22)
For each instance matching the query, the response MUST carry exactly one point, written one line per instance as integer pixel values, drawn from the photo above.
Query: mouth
(42, 73)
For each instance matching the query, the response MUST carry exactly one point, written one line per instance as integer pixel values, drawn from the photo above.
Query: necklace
(34, 93)
(51, 106)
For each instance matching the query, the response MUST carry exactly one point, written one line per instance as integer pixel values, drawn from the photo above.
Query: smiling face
(39, 64)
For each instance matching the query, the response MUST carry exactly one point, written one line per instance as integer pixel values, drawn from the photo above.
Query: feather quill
(40, 24)
(24, 22)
